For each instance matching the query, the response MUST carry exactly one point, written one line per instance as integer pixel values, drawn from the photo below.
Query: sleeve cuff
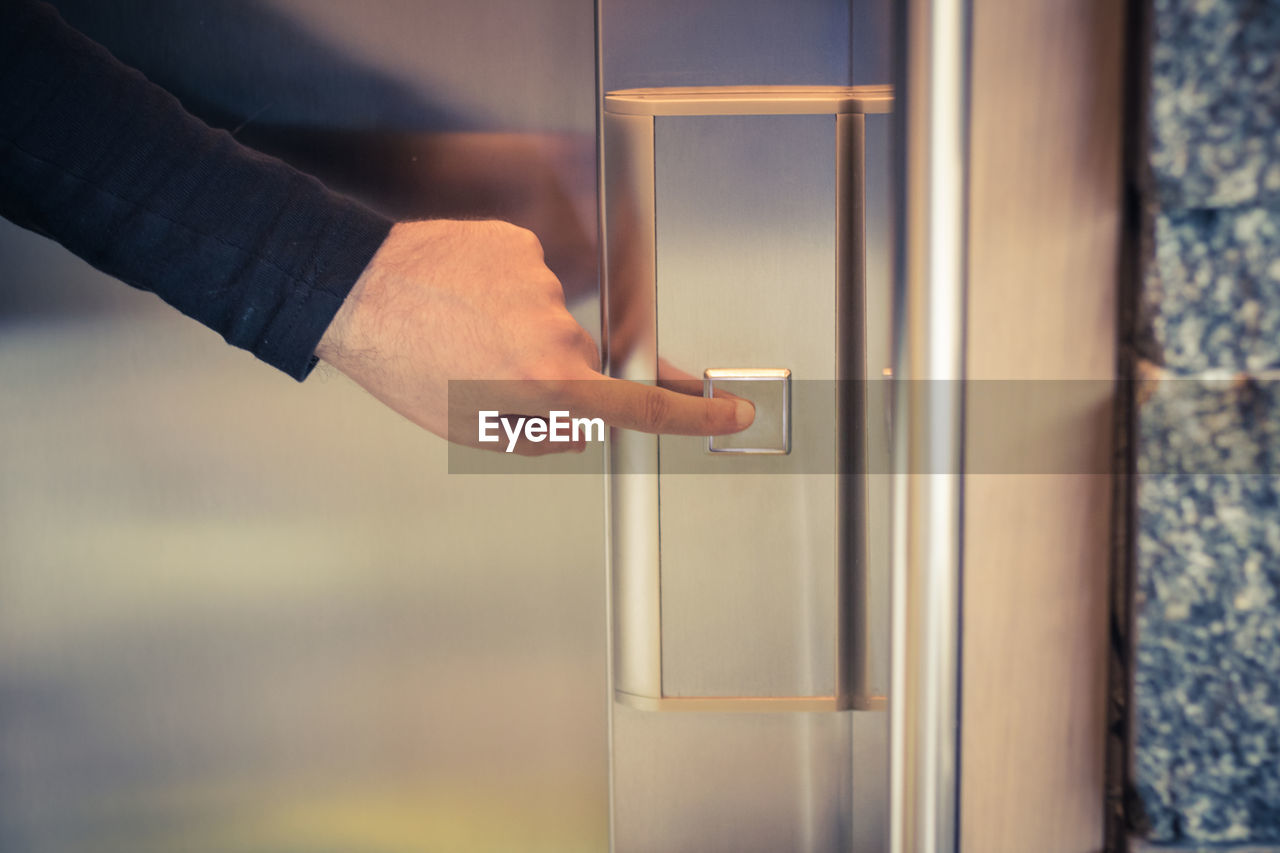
(352, 237)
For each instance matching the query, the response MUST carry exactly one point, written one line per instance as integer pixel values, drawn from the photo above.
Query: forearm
(111, 166)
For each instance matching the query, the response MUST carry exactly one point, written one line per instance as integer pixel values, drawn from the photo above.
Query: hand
(447, 299)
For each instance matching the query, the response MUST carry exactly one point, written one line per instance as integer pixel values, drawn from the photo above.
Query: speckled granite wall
(1213, 102)
(1205, 699)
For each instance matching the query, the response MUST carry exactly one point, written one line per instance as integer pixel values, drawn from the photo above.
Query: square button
(769, 390)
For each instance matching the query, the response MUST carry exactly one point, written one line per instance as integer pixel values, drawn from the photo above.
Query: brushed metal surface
(746, 238)
(728, 42)
(738, 783)
(1047, 204)
(807, 225)
(238, 613)
(631, 353)
(747, 782)
(851, 409)
(928, 426)
(870, 617)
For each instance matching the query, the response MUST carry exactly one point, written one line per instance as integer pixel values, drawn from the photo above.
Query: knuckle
(572, 334)
(525, 238)
(552, 286)
(559, 325)
(589, 348)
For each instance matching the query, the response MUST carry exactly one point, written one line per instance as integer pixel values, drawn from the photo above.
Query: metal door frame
(932, 60)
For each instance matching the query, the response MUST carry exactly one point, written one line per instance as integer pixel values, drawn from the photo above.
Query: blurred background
(238, 613)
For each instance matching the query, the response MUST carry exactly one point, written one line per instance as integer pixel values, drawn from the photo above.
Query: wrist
(333, 341)
(340, 338)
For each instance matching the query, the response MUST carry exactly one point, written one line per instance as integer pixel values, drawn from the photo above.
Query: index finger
(648, 408)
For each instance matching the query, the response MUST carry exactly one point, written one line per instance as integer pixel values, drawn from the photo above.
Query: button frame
(724, 378)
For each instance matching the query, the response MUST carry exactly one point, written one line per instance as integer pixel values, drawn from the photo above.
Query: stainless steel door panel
(737, 783)
(629, 336)
(725, 42)
(237, 613)
(749, 587)
(746, 229)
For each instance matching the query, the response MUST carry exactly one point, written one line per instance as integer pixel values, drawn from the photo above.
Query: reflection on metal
(929, 324)
(733, 228)
(241, 615)
(751, 100)
(747, 783)
(729, 703)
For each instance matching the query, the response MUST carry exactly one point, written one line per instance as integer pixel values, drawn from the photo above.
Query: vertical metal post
(928, 435)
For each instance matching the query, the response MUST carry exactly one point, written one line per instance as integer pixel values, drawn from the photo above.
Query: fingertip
(744, 413)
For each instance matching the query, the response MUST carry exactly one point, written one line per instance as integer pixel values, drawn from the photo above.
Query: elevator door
(745, 214)
(241, 614)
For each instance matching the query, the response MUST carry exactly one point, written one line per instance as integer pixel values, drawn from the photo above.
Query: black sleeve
(111, 166)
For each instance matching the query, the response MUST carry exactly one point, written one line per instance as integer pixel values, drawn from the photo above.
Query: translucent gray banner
(1180, 427)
